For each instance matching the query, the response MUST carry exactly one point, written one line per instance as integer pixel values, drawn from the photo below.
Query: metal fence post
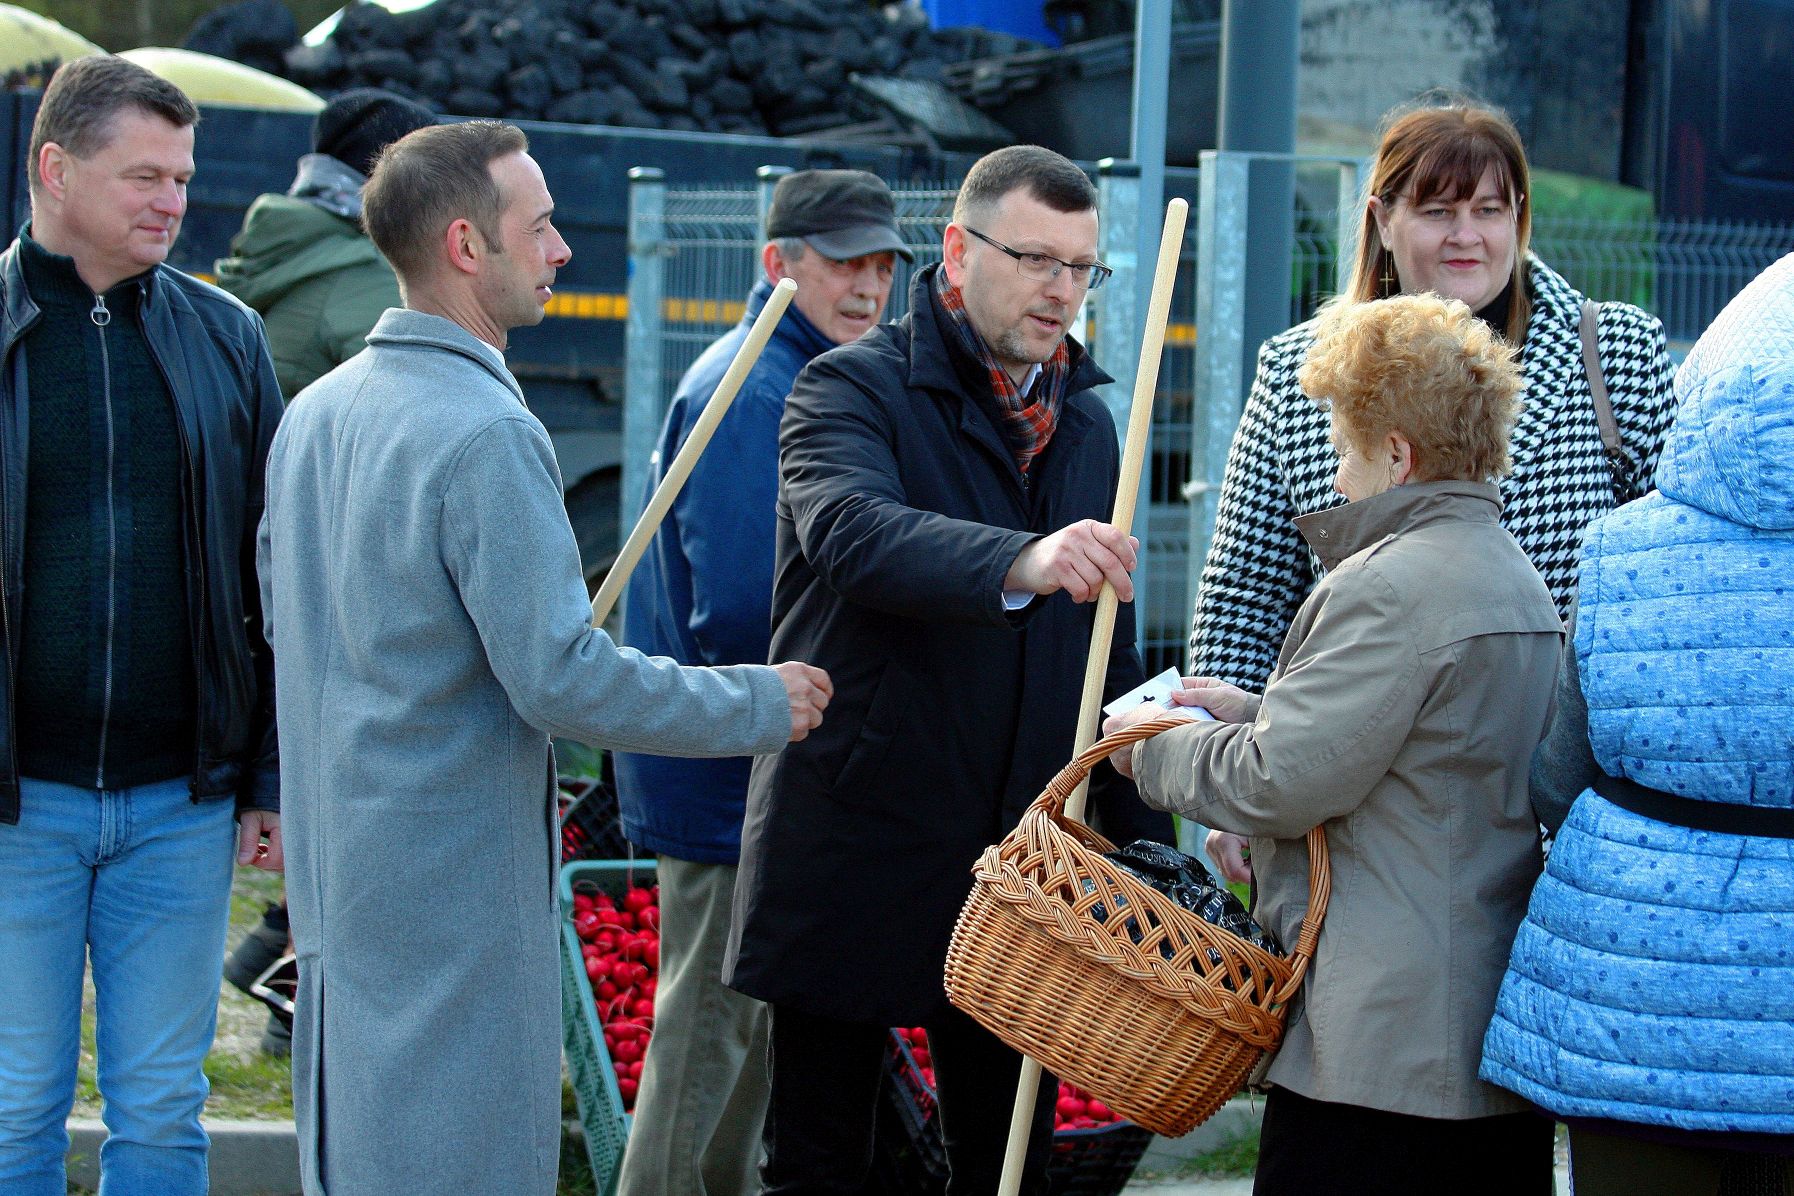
(768, 177)
(1221, 330)
(642, 335)
(1117, 319)
(1351, 213)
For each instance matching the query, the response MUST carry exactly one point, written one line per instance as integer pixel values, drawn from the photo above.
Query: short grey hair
(87, 94)
(1049, 177)
(791, 248)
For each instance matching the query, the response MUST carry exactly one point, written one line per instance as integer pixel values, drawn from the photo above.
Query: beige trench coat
(1406, 703)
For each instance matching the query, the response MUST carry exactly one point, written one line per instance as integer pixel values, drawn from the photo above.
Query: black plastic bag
(1185, 881)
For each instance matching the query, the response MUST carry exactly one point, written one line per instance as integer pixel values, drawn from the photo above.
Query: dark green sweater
(106, 686)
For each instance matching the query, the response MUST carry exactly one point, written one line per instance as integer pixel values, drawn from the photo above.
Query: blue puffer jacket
(1653, 978)
(703, 592)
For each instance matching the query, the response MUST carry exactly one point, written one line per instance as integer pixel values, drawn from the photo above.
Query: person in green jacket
(302, 259)
(304, 262)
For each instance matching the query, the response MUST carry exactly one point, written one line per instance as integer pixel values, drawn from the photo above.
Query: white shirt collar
(1027, 382)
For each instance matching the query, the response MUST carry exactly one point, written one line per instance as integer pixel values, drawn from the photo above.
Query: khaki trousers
(702, 1103)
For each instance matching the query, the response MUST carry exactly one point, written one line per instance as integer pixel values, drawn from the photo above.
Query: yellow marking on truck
(589, 305)
(597, 305)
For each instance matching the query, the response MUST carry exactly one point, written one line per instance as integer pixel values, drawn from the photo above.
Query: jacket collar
(402, 326)
(18, 311)
(56, 282)
(1554, 329)
(935, 365)
(938, 363)
(332, 185)
(1337, 532)
(794, 328)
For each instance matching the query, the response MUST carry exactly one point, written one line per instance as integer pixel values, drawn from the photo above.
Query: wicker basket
(1163, 1031)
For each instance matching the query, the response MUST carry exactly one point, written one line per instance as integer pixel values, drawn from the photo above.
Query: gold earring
(1388, 271)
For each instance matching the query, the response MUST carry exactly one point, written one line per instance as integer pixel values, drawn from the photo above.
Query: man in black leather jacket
(136, 715)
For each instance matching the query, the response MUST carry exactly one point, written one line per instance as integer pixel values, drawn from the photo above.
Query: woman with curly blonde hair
(1402, 715)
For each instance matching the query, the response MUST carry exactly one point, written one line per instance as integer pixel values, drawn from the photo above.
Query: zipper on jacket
(12, 665)
(102, 317)
(196, 615)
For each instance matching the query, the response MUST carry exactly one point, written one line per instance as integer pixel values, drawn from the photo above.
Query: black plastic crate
(911, 1160)
(591, 825)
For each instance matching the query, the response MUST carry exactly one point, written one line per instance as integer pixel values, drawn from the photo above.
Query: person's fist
(1228, 851)
(808, 690)
(1077, 559)
(1123, 758)
(258, 840)
(1228, 703)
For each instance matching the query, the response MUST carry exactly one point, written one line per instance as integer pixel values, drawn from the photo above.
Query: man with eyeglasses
(945, 485)
(703, 596)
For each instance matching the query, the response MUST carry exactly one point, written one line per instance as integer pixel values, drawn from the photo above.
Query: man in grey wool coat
(431, 631)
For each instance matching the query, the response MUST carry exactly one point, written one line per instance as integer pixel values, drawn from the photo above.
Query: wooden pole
(1133, 460)
(681, 468)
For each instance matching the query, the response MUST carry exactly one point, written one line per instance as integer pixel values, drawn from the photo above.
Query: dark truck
(571, 365)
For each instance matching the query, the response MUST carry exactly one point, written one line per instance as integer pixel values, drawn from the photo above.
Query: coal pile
(256, 33)
(728, 66)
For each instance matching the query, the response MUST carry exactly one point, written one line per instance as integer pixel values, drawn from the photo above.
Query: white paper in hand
(1158, 691)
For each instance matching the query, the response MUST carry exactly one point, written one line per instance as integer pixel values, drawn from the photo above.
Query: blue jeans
(139, 880)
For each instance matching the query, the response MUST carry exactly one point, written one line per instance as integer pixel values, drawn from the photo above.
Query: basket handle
(1320, 871)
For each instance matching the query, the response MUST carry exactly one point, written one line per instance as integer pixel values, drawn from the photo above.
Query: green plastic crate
(588, 1060)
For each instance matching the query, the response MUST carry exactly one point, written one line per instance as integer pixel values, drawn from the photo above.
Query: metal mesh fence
(712, 235)
(1683, 271)
(1163, 611)
(711, 246)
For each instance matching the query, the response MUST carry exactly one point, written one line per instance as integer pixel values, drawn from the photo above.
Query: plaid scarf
(1027, 425)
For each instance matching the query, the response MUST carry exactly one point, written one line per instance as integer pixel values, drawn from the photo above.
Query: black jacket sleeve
(853, 522)
(261, 777)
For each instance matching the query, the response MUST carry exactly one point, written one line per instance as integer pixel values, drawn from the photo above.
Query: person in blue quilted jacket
(1650, 997)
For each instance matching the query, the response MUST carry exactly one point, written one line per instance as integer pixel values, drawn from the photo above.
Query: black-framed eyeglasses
(1044, 267)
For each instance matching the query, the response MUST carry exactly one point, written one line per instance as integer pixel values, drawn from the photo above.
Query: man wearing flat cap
(703, 596)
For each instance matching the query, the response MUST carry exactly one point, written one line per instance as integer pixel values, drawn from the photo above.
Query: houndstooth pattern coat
(1282, 464)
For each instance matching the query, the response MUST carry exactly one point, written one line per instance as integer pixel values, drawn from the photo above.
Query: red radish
(620, 950)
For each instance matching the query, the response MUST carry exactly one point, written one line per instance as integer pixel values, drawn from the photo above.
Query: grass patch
(1236, 1160)
(574, 759)
(576, 1177)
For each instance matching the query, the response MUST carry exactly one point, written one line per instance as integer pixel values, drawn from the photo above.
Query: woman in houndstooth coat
(1449, 211)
